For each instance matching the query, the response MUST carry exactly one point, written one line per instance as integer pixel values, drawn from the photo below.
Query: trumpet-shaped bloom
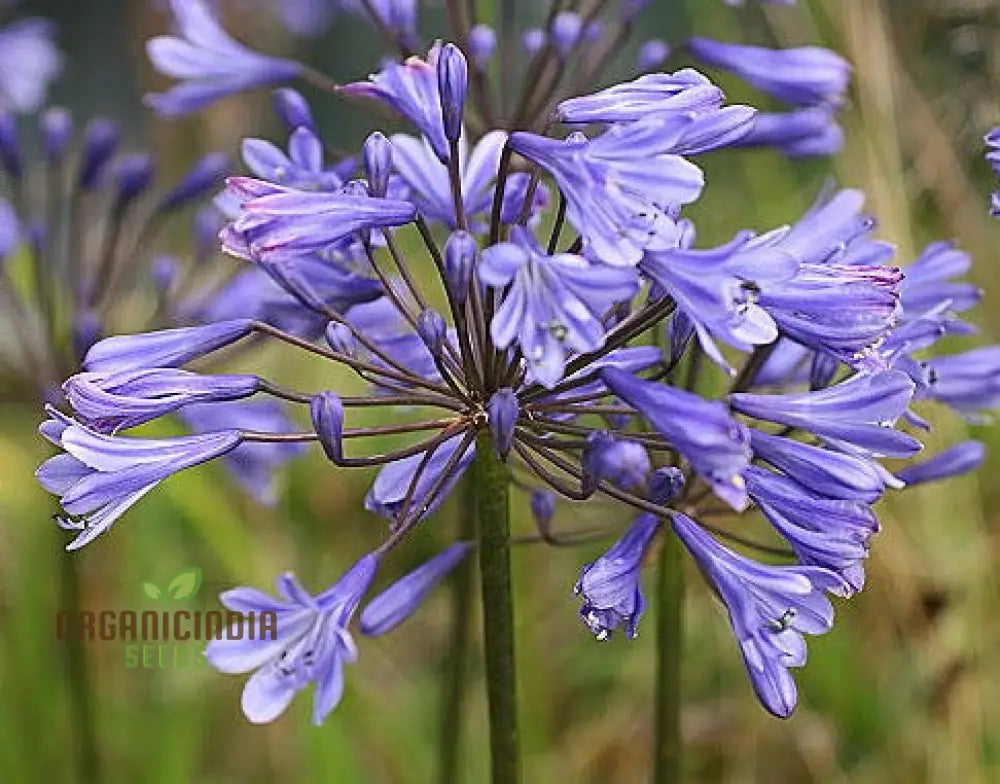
(552, 305)
(959, 459)
(968, 382)
(401, 599)
(277, 222)
(312, 643)
(623, 463)
(716, 445)
(801, 133)
(858, 413)
(831, 533)
(301, 167)
(624, 188)
(208, 63)
(610, 586)
(770, 609)
(117, 401)
(99, 477)
(803, 76)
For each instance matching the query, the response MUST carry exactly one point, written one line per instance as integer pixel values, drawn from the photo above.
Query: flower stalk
(491, 482)
(667, 742)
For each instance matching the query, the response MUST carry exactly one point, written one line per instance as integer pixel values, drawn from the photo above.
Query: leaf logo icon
(185, 584)
(151, 590)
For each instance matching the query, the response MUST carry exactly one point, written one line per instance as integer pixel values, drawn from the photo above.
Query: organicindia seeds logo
(171, 635)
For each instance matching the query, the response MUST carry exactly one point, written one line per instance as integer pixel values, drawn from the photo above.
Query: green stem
(669, 647)
(87, 764)
(491, 480)
(453, 694)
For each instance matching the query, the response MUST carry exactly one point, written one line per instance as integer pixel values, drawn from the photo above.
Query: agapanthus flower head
(312, 643)
(207, 62)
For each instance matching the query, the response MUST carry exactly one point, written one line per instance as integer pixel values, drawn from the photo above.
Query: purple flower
(278, 222)
(118, 401)
(824, 471)
(100, 140)
(301, 168)
(99, 477)
(453, 85)
(928, 282)
(827, 532)
(204, 176)
(56, 127)
(800, 133)
(209, 64)
(683, 91)
(623, 463)
(624, 188)
(387, 495)
(312, 643)
(803, 76)
(10, 231)
(719, 289)
(482, 45)
(967, 382)
(401, 599)
(857, 413)
(716, 446)
(252, 464)
(398, 16)
(162, 349)
(565, 32)
(133, 175)
(502, 410)
(552, 305)
(844, 311)
(293, 109)
(770, 609)
(411, 89)
(610, 588)
(29, 60)
(652, 55)
(959, 459)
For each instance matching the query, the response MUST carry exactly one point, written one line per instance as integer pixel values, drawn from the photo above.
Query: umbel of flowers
(580, 306)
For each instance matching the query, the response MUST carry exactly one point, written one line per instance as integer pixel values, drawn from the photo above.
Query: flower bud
(56, 125)
(606, 458)
(543, 507)
(566, 30)
(378, 163)
(10, 148)
(207, 173)
(133, 174)
(665, 484)
(327, 414)
(292, 109)
(164, 271)
(533, 40)
(459, 264)
(100, 141)
(503, 411)
(652, 55)
(340, 338)
(86, 332)
(453, 84)
(433, 331)
(482, 45)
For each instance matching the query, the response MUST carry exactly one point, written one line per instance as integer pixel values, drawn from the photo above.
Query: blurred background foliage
(905, 689)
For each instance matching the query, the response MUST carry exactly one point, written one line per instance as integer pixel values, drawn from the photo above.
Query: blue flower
(680, 92)
(207, 174)
(99, 477)
(967, 382)
(624, 188)
(624, 463)
(118, 401)
(770, 609)
(411, 89)
(928, 282)
(30, 61)
(208, 62)
(277, 222)
(302, 167)
(401, 599)
(610, 587)
(715, 444)
(960, 459)
(800, 133)
(857, 413)
(312, 643)
(803, 76)
(827, 532)
(552, 305)
(163, 348)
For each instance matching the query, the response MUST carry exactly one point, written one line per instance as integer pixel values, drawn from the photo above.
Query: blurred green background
(905, 689)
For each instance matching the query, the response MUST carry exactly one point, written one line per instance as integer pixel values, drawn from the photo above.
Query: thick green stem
(491, 481)
(456, 663)
(669, 647)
